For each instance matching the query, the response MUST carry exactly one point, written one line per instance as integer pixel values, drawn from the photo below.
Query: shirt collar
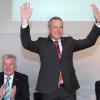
(59, 40)
(11, 76)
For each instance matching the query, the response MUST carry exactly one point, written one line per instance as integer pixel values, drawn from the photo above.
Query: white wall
(86, 62)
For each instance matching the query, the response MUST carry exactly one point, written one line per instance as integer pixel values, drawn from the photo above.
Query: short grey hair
(53, 18)
(9, 56)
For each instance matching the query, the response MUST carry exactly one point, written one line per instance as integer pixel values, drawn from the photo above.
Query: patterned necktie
(7, 89)
(59, 55)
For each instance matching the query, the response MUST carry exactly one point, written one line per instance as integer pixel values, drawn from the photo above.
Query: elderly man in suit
(13, 85)
(57, 79)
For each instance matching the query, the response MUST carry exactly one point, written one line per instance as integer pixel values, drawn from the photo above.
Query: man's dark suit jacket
(51, 65)
(21, 82)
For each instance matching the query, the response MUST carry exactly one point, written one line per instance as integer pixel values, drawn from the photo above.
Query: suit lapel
(63, 47)
(16, 79)
(52, 48)
(1, 78)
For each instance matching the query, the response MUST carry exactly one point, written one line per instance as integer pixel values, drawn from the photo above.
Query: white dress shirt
(10, 81)
(59, 43)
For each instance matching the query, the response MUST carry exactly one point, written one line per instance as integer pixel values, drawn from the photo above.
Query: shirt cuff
(97, 24)
(24, 26)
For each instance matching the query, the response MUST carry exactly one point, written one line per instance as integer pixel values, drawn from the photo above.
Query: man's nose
(8, 66)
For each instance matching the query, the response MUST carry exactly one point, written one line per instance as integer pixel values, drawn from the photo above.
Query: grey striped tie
(7, 89)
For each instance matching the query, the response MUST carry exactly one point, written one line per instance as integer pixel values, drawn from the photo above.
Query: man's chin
(58, 38)
(8, 74)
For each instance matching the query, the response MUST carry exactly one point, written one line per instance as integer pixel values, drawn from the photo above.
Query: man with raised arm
(57, 79)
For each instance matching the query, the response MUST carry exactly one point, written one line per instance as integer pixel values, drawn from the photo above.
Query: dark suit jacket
(51, 65)
(97, 89)
(21, 82)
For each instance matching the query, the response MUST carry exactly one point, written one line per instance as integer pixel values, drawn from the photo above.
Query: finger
(3, 86)
(14, 87)
(13, 91)
(29, 8)
(24, 6)
(21, 8)
(93, 6)
(31, 11)
(28, 4)
(95, 9)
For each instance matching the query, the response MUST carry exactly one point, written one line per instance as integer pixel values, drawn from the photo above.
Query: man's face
(8, 66)
(56, 29)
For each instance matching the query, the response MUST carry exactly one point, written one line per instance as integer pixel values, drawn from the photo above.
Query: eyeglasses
(56, 27)
(11, 64)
